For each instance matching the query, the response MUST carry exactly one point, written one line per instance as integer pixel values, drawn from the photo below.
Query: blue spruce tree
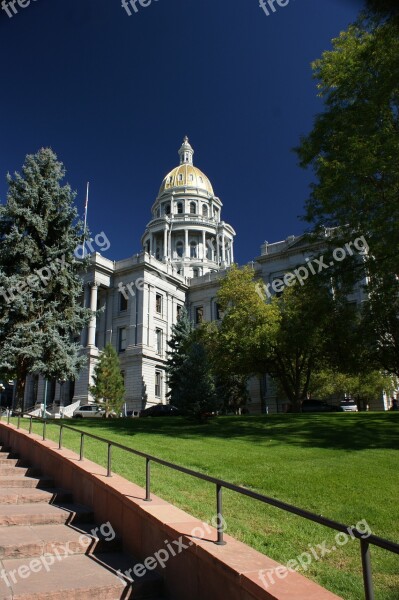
(41, 313)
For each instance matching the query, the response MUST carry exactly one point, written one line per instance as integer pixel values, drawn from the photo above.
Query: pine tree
(40, 279)
(192, 387)
(179, 344)
(109, 386)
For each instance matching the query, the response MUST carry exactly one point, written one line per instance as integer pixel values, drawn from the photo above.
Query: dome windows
(180, 208)
(193, 208)
(193, 250)
(204, 210)
(167, 209)
(179, 249)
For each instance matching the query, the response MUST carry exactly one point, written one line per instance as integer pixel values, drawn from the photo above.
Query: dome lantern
(186, 153)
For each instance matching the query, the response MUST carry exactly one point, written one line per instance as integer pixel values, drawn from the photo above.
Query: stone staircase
(50, 548)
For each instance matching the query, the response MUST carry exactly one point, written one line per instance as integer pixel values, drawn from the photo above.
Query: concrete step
(13, 462)
(76, 577)
(26, 482)
(14, 495)
(18, 470)
(36, 540)
(43, 514)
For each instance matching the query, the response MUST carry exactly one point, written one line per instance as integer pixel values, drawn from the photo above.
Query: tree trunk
(20, 389)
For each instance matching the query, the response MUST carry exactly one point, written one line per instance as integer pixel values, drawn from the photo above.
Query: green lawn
(343, 466)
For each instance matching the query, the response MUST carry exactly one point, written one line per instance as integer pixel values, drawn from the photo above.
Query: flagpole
(84, 234)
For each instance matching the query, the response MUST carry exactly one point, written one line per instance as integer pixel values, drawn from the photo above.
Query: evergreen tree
(192, 387)
(40, 281)
(179, 344)
(109, 387)
(196, 394)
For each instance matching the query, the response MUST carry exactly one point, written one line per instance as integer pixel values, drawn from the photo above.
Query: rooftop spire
(186, 152)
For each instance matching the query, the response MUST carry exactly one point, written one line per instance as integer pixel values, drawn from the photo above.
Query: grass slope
(343, 466)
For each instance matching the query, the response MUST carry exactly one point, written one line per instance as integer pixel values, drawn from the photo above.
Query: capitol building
(186, 249)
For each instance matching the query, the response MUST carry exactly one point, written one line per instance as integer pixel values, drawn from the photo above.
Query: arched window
(195, 273)
(193, 208)
(180, 208)
(204, 210)
(193, 249)
(167, 209)
(179, 249)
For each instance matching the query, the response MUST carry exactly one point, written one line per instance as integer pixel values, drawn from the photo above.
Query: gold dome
(186, 175)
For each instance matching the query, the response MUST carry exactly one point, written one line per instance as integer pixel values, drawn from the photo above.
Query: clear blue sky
(114, 95)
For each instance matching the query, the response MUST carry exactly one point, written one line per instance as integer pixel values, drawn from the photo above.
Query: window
(158, 212)
(204, 210)
(180, 177)
(216, 212)
(192, 208)
(179, 249)
(180, 208)
(157, 253)
(191, 177)
(158, 384)
(193, 250)
(122, 302)
(158, 303)
(167, 209)
(178, 311)
(199, 314)
(122, 339)
(195, 272)
(217, 312)
(158, 335)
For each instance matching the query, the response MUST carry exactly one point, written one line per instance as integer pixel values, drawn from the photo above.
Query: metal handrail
(220, 484)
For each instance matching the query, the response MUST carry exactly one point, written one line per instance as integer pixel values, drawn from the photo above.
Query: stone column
(110, 307)
(203, 244)
(165, 242)
(186, 246)
(231, 251)
(223, 248)
(93, 323)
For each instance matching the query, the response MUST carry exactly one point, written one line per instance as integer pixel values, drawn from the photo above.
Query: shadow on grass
(338, 430)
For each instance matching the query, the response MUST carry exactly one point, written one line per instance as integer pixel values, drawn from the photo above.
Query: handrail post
(30, 425)
(147, 480)
(19, 421)
(82, 442)
(60, 438)
(8, 416)
(219, 512)
(109, 460)
(366, 566)
(44, 429)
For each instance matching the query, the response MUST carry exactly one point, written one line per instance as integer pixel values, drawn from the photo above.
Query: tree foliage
(191, 381)
(353, 150)
(285, 337)
(40, 281)
(108, 387)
